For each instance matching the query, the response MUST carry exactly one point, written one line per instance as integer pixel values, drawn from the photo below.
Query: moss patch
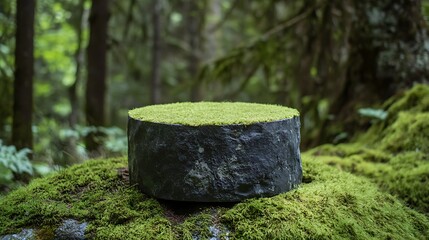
(405, 175)
(413, 100)
(394, 153)
(409, 132)
(212, 113)
(330, 204)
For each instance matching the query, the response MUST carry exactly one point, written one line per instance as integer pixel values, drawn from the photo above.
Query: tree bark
(387, 50)
(156, 53)
(22, 136)
(96, 83)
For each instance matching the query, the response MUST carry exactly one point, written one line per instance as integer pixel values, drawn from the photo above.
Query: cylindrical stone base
(225, 163)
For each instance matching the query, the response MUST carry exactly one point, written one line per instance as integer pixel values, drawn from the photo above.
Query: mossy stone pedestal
(214, 152)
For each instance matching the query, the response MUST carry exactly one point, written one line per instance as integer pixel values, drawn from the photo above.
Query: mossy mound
(405, 175)
(409, 132)
(413, 100)
(212, 113)
(393, 153)
(330, 205)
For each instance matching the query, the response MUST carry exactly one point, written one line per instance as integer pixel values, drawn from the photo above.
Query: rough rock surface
(71, 230)
(214, 163)
(25, 234)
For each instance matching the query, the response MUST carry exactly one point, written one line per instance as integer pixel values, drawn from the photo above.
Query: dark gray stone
(218, 234)
(214, 163)
(71, 230)
(25, 234)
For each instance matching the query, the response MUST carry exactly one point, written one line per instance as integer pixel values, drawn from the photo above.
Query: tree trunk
(156, 53)
(79, 55)
(96, 83)
(387, 54)
(387, 50)
(22, 136)
(192, 22)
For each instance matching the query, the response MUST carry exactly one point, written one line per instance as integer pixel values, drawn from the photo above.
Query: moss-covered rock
(329, 205)
(214, 152)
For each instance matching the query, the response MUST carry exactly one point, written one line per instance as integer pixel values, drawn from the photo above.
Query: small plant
(373, 113)
(13, 162)
(114, 139)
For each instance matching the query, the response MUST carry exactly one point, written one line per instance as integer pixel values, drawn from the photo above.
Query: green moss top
(212, 113)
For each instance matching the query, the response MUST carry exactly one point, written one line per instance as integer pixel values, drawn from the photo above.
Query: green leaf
(373, 113)
(42, 169)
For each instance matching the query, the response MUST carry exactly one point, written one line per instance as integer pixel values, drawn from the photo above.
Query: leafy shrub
(13, 162)
(114, 139)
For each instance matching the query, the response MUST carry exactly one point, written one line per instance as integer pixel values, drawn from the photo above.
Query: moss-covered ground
(393, 153)
(374, 188)
(329, 205)
(212, 113)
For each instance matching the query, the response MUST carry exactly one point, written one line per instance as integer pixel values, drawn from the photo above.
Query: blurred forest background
(70, 70)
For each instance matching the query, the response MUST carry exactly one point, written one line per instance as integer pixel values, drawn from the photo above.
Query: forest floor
(377, 186)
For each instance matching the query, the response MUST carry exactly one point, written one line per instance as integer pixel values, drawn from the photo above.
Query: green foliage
(16, 162)
(212, 113)
(61, 145)
(13, 162)
(373, 113)
(114, 139)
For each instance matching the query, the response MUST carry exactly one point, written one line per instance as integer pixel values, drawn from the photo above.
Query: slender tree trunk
(79, 58)
(96, 82)
(156, 53)
(23, 86)
(129, 19)
(192, 22)
(210, 40)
